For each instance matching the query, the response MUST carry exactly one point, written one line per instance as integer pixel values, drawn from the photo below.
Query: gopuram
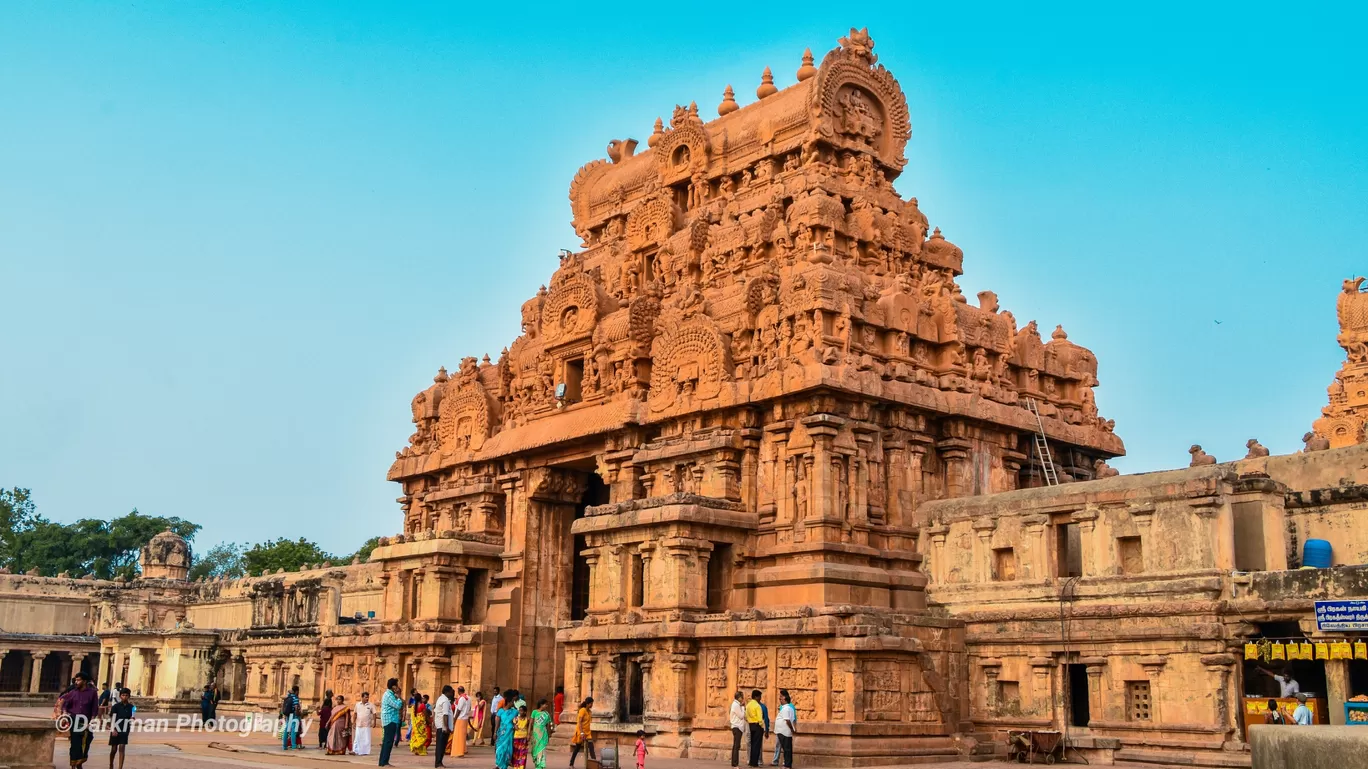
(697, 468)
(753, 436)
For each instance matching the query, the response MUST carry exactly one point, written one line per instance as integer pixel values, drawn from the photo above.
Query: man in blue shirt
(289, 712)
(391, 710)
(1302, 715)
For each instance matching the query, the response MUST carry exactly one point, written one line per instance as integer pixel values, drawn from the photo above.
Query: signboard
(1350, 614)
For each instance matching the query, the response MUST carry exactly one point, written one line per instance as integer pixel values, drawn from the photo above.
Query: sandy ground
(193, 749)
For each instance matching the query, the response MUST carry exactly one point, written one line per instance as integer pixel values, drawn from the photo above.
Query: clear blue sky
(235, 239)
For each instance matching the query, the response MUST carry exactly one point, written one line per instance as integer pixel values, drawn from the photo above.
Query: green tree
(222, 560)
(287, 554)
(16, 516)
(106, 549)
(364, 551)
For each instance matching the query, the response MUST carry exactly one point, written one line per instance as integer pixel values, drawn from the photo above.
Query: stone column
(983, 559)
(938, 535)
(1087, 544)
(586, 685)
(991, 669)
(1095, 704)
(3, 653)
(1336, 689)
(1041, 693)
(77, 658)
(35, 676)
(1153, 666)
(1035, 563)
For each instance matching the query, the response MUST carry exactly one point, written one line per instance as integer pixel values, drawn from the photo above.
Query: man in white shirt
(495, 705)
(1286, 683)
(365, 719)
(785, 726)
(1302, 715)
(442, 720)
(737, 719)
(462, 722)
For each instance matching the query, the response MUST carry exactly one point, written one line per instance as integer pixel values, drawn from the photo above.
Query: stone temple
(753, 436)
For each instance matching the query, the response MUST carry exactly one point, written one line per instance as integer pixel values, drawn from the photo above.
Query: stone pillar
(1221, 665)
(1336, 689)
(983, 559)
(991, 669)
(1087, 543)
(586, 684)
(1041, 691)
(1153, 667)
(938, 535)
(1095, 702)
(35, 676)
(77, 659)
(1035, 562)
(3, 653)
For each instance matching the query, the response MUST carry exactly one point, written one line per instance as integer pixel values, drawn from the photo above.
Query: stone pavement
(193, 749)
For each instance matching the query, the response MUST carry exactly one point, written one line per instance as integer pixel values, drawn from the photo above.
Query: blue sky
(236, 238)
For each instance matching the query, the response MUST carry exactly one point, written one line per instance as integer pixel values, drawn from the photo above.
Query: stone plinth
(27, 743)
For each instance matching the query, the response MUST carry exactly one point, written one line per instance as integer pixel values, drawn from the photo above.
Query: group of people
(1287, 687)
(516, 732)
(751, 719)
(82, 705)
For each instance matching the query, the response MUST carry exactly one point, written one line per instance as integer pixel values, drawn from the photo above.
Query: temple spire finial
(766, 84)
(807, 70)
(656, 134)
(728, 104)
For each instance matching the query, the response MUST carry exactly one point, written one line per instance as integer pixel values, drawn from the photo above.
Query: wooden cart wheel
(1049, 758)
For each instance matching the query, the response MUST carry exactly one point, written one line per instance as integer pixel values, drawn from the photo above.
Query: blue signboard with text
(1348, 614)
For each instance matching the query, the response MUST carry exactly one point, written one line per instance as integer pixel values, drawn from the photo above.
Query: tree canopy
(109, 549)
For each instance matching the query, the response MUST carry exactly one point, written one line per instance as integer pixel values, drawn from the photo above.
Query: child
(120, 724)
(521, 731)
(641, 749)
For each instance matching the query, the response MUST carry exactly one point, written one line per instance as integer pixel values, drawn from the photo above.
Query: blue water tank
(1316, 554)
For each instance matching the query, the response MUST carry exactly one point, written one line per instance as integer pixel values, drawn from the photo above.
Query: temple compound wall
(1118, 610)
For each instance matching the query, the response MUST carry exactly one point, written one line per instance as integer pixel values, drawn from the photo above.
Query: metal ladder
(1042, 446)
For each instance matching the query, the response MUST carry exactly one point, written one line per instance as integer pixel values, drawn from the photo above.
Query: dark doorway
(1069, 551)
(631, 690)
(719, 577)
(595, 493)
(474, 597)
(1078, 695)
(12, 673)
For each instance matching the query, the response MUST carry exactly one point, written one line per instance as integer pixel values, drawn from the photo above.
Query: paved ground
(193, 749)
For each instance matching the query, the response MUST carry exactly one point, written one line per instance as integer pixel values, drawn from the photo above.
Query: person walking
(496, 703)
(462, 722)
(478, 717)
(736, 718)
(324, 718)
(756, 727)
(391, 708)
(503, 744)
(583, 738)
(289, 713)
(444, 722)
(365, 719)
(522, 730)
(785, 726)
(120, 724)
(339, 728)
(641, 749)
(542, 727)
(557, 705)
(82, 704)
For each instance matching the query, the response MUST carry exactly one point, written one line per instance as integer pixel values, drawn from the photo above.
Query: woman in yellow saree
(419, 739)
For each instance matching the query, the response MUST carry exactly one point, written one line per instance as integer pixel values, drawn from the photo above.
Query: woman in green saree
(541, 734)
